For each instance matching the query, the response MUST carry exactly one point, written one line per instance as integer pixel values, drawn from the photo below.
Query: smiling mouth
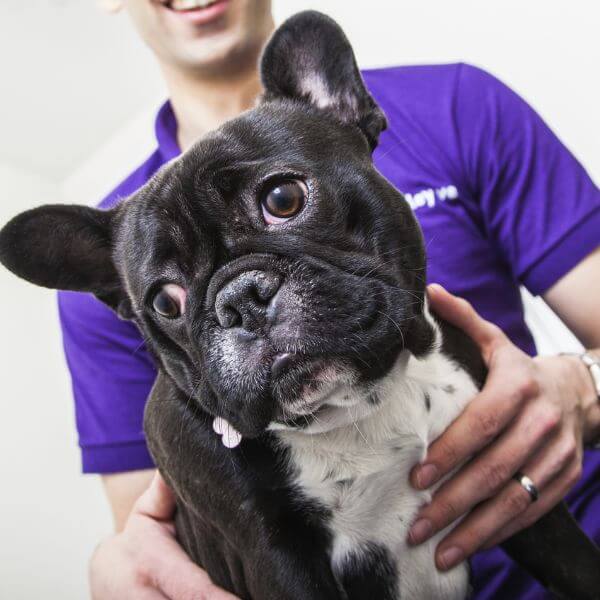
(188, 5)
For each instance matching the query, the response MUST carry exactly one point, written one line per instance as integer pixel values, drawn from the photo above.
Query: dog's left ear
(310, 59)
(66, 248)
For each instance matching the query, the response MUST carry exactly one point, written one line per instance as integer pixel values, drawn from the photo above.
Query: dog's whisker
(355, 424)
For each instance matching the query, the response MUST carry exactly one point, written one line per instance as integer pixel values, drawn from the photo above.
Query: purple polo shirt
(501, 202)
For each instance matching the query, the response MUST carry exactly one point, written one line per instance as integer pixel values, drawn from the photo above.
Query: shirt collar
(165, 128)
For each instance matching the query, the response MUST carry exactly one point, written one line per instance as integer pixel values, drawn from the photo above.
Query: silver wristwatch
(593, 365)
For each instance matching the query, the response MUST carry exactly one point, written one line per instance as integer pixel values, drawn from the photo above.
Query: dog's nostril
(243, 301)
(266, 286)
(228, 317)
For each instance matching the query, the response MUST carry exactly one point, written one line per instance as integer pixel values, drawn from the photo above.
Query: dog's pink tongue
(229, 436)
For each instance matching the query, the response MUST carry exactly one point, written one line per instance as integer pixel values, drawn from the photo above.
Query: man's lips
(183, 5)
(198, 12)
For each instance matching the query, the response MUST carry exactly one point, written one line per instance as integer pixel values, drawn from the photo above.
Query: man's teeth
(189, 4)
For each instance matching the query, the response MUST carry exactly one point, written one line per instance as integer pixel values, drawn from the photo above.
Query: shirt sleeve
(112, 374)
(538, 204)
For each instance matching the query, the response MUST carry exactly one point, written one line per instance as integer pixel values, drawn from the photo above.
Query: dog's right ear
(67, 248)
(309, 59)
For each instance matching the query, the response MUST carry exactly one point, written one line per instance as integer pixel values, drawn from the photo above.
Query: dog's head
(271, 268)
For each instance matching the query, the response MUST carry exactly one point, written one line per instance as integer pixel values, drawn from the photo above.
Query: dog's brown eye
(284, 201)
(169, 301)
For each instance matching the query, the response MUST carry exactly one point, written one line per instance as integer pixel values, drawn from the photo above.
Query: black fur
(370, 574)
(346, 285)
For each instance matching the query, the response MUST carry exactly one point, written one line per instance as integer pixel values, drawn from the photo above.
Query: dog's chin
(319, 395)
(309, 385)
(326, 417)
(331, 396)
(290, 390)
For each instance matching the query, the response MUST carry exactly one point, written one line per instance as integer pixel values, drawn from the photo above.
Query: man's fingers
(180, 579)
(488, 473)
(157, 502)
(509, 511)
(482, 524)
(482, 420)
(189, 582)
(553, 492)
(461, 314)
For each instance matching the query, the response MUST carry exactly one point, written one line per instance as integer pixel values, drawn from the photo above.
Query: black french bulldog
(279, 280)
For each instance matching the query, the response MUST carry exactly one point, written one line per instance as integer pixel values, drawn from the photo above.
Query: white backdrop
(52, 516)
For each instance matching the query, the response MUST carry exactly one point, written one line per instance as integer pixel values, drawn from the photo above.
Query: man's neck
(202, 103)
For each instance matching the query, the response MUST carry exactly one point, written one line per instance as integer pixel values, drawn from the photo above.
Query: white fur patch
(315, 87)
(357, 458)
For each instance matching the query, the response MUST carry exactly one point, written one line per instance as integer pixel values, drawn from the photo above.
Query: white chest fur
(360, 470)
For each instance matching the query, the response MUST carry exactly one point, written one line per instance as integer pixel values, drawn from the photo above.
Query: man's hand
(529, 417)
(145, 562)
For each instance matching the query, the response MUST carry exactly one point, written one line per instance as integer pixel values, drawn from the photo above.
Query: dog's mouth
(304, 384)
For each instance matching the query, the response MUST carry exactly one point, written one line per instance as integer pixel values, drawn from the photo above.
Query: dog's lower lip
(281, 362)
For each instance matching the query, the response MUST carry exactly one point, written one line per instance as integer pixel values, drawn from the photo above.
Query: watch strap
(593, 365)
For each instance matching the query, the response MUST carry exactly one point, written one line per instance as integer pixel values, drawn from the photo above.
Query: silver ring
(527, 485)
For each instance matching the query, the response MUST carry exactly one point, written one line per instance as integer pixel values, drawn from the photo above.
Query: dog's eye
(169, 301)
(284, 201)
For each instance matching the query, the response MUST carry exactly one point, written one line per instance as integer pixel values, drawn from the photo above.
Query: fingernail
(450, 557)
(420, 531)
(426, 476)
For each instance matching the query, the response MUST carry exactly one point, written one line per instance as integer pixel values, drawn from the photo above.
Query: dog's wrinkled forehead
(276, 138)
(208, 196)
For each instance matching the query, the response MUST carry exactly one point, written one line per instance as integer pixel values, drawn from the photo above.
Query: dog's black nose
(244, 301)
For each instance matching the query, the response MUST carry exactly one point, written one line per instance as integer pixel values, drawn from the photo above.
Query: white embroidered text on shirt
(430, 196)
